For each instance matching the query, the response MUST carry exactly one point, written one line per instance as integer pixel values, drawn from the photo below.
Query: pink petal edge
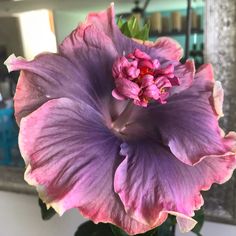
(205, 71)
(169, 48)
(185, 222)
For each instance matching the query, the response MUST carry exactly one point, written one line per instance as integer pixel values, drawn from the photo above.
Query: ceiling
(8, 7)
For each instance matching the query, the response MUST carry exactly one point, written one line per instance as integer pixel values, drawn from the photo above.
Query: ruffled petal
(168, 48)
(46, 77)
(230, 139)
(71, 158)
(152, 182)
(165, 47)
(206, 72)
(188, 124)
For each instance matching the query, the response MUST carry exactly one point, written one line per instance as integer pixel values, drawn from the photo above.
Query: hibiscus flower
(120, 129)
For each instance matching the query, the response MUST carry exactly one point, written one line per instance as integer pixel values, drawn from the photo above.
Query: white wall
(20, 215)
(37, 33)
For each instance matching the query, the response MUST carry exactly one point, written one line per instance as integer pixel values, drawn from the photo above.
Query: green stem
(173, 230)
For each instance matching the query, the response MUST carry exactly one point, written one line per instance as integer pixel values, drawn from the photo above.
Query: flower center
(146, 71)
(142, 79)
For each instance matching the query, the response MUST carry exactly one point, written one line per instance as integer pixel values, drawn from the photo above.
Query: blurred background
(29, 27)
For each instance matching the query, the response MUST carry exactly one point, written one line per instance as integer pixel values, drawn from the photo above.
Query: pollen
(163, 90)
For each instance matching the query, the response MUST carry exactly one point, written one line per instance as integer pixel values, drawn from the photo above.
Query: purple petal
(46, 77)
(185, 73)
(69, 166)
(152, 182)
(93, 53)
(92, 48)
(206, 72)
(188, 124)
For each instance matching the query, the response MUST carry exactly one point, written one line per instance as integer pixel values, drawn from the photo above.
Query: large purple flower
(120, 129)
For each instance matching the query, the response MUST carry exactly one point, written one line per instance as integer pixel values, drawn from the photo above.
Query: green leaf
(199, 217)
(167, 228)
(90, 229)
(120, 22)
(101, 229)
(119, 232)
(143, 34)
(133, 26)
(46, 214)
(132, 29)
(125, 30)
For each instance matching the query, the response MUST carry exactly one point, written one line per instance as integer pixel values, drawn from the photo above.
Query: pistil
(119, 125)
(142, 79)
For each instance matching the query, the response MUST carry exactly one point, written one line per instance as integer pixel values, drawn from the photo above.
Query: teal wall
(66, 22)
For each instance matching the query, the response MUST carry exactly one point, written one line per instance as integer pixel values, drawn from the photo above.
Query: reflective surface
(221, 52)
